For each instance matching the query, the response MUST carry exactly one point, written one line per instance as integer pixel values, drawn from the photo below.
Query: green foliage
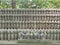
(39, 4)
(5, 4)
(31, 4)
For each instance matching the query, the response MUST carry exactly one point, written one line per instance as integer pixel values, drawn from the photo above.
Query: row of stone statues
(32, 35)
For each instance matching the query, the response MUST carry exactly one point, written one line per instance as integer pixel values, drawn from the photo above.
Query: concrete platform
(15, 42)
(8, 42)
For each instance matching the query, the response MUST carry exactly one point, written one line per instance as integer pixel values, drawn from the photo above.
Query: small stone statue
(43, 35)
(36, 35)
(21, 35)
(28, 34)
